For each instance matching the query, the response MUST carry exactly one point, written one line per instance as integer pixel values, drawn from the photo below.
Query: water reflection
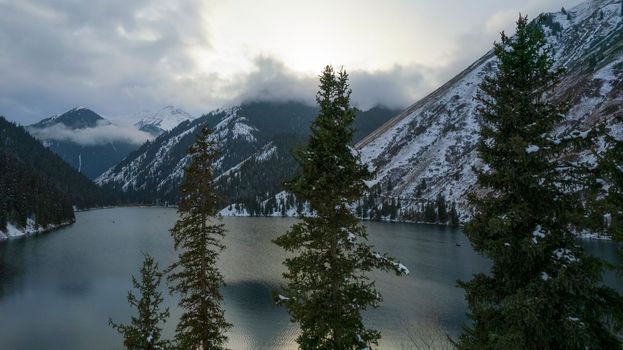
(259, 323)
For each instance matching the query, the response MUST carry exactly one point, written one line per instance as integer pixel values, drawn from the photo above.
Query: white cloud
(103, 133)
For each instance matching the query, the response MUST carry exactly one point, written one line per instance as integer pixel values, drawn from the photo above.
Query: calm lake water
(58, 290)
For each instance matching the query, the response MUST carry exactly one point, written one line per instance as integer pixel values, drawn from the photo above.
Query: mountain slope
(85, 140)
(38, 190)
(434, 140)
(153, 173)
(164, 120)
(77, 118)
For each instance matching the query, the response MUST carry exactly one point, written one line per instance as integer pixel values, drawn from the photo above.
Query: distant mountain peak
(163, 120)
(75, 118)
(86, 140)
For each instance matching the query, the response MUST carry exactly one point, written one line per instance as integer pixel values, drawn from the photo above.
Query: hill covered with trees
(38, 190)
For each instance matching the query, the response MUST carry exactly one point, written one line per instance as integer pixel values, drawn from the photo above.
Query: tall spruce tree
(198, 236)
(328, 286)
(543, 291)
(144, 330)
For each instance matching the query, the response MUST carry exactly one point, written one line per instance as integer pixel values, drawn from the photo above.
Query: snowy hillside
(158, 165)
(434, 140)
(256, 140)
(164, 120)
(426, 152)
(154, 171)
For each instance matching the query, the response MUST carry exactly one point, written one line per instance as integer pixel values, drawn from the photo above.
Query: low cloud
(103, 133)
(396, 87)
(272, 80)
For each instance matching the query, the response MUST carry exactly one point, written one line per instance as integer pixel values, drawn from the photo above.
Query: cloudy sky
(120, 57)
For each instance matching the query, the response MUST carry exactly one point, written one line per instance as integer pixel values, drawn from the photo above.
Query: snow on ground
(231, 210)
(31, 228)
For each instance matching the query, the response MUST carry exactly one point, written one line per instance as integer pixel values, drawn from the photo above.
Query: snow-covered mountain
(164, 120)
(75, 118)
(154, 171)
(256, 140)
(430, 148)
(86, 140)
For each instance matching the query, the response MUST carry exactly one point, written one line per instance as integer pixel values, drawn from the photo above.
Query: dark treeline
(373, 205)
(24, 194)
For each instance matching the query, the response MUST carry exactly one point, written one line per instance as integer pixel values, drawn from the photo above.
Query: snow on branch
(397, 266)
(279, 299)
(564, 255)
(537, 233)
(532, 149)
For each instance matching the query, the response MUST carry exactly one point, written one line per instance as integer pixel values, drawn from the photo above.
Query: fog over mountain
(102, 133)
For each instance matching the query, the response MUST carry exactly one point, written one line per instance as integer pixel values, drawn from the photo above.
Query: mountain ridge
(152, 173)
(424, 143)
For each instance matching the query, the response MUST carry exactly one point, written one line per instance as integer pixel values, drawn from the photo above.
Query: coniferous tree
(429, 213)
(543, 291)
(328, 286)
(607, 201)
(454, 216)
(144, 330)
(613, 166)
(198, 234)
(442, 210)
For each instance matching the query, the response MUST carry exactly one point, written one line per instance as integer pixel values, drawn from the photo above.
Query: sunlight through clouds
(120, 57)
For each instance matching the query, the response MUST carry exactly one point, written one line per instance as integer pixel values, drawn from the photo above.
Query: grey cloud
(107, 54)
(103, 133)
(397, 87)
(273, 81)
(120, 56)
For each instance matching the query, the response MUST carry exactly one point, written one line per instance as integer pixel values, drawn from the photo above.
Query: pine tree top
(331, 171)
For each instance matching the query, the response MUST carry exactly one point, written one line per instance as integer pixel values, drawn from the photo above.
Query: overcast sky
(119, 57)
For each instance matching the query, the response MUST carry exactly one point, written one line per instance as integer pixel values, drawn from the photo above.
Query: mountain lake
(58, 290)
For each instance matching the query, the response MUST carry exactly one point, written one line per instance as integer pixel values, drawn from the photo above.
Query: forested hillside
(38, 190)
